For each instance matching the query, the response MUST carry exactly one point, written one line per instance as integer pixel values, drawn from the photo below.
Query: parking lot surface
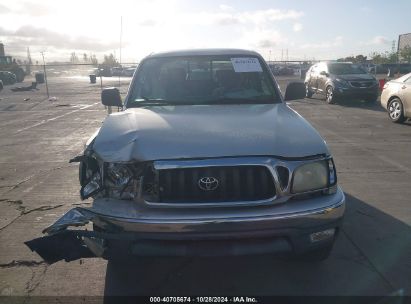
(38, 136)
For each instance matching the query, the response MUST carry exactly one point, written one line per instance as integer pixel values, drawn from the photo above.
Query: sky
(294, 30)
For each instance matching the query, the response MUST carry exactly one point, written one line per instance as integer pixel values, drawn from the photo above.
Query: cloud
(27, 8)
(226, 19)
(225, 7)
(337, 41)
(5, 32)
(41, 37)
(263, 39)
(35, 9)
(4, 9)
(266, 43)
(263, 16)
(297, 27)
(379, 40)
(255, 18)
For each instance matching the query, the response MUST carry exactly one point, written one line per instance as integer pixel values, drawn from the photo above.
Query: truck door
(322, 78)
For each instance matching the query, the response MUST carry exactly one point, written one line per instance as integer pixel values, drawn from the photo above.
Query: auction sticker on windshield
(243, 65)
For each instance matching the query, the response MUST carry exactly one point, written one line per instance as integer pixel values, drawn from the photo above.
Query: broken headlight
(311, 176)
(122, 181)
(92, 187)
(118, 175)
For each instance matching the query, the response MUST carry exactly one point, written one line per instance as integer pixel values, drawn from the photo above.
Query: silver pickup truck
(205, 159)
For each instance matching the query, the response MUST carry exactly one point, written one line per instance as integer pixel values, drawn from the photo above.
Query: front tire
(396, 111)
(329, 95)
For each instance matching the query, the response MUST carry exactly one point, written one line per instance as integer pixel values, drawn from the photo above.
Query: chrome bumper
(125, 216)
(128, 228)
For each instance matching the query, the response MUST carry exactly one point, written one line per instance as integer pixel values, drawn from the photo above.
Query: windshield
(344, 69)
(202, 80)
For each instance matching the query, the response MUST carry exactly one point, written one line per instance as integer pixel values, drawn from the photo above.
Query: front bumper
(356, 92)
(126, 228)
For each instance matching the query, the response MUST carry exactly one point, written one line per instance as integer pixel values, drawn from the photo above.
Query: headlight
(92, 187)
(311, 176)
(341, 82)
(118, 175)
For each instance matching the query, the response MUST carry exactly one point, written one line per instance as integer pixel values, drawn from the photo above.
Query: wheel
(395, 110)
(308, 92)
(317, 255)
(329, 95)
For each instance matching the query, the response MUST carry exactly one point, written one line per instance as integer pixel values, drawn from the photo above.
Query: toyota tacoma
(205, 158)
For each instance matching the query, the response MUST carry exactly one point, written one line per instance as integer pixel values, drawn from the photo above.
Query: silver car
(206, 159)
(396, 98)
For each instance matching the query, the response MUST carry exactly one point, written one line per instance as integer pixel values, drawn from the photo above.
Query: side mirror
(294, 90)
(111, 97)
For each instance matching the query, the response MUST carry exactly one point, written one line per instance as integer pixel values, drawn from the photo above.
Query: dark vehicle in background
(340, 79)
(117, 71)
(9, 64)
(103, 71)
(8, 77)
(279, 70)
(128, 72)
(1, 85)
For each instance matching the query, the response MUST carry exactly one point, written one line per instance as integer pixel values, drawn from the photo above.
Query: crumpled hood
(355, 77)
(175, 132)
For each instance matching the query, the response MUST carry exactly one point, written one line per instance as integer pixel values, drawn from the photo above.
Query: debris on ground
(33, 86)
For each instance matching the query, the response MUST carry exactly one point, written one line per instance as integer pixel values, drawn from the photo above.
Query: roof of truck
(204, 52)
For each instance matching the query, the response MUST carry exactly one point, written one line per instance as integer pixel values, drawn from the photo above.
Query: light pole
(45, 75)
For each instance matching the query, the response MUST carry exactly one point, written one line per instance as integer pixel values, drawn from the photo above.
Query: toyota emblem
(208, 183)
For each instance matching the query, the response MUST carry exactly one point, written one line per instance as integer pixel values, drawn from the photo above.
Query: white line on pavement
(54, 118)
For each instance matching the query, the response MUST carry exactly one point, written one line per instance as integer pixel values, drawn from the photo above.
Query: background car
(129, 72)
(1, 85)
(340, 79)
(117, 71)
(396, 98)
(7, 77)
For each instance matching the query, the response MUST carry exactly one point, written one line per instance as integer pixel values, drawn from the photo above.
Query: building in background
(404, 40)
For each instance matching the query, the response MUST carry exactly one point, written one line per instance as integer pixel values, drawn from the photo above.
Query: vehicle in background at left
(128, 72)
(9, 64)
(117, 71)
(8, 77)
(396, 98)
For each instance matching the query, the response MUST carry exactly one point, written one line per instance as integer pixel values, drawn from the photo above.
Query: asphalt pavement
(38, 136)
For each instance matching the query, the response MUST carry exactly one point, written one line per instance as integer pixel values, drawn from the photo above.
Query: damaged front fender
(63, 244)
(75, 217)
(66, 246)
(69, 245)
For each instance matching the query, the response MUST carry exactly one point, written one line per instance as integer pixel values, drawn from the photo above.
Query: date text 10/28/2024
(203, 300)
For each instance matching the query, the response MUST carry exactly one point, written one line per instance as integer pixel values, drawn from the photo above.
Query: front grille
(362, 84)
(235, 183)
